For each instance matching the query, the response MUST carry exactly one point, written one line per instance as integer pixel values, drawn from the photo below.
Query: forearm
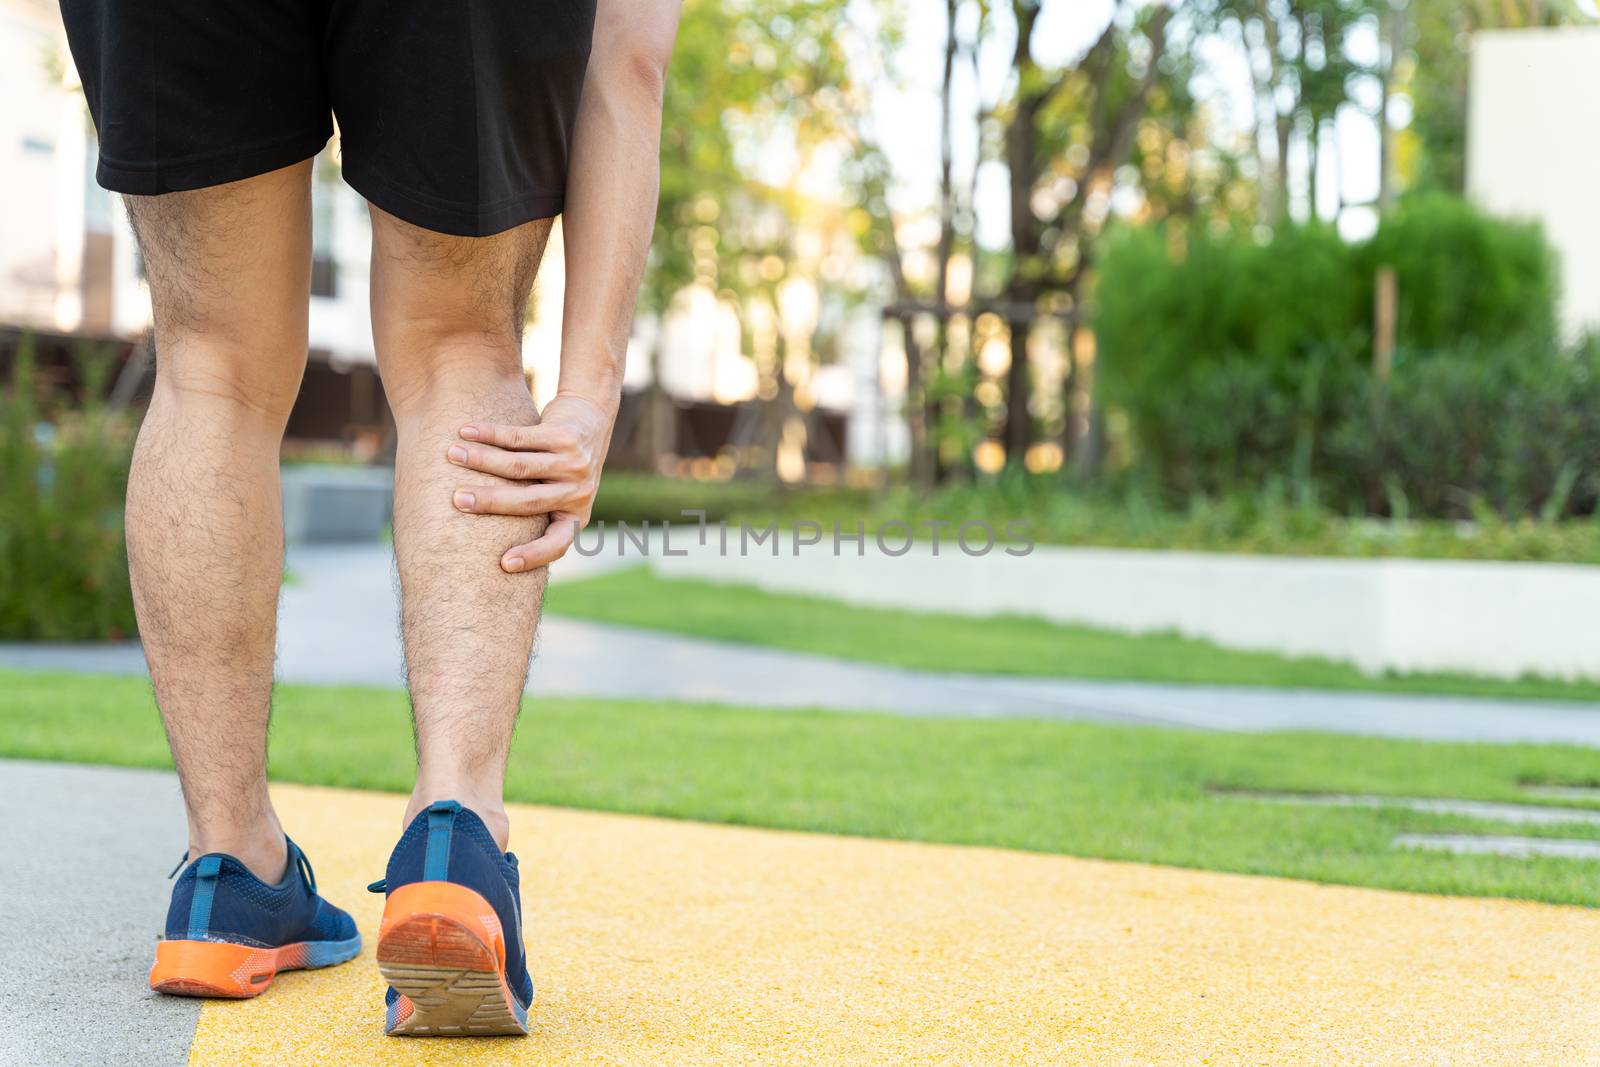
(612, 187)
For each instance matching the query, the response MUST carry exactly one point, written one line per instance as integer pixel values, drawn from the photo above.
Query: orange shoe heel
(442, 949)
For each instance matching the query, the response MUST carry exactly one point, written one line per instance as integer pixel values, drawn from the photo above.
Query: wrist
(597, 380)
(604, 399)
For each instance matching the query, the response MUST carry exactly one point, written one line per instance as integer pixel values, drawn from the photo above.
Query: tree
(745, 75)
(1064, 134)
(1067, 132)
(1302, 74)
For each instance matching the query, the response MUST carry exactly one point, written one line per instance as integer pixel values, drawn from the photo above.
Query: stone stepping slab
(1523, 814)
(1501, 845)
(1564, 792)
(1472, 844)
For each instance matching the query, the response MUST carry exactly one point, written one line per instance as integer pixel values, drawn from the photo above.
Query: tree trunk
(1314, 148)
(947, 210)
(1392, 31)
(1026, 230)
(947, 230)
(1019, 423)
(972, 413)
(1282, 120)
(921, 470)
(1069, 387)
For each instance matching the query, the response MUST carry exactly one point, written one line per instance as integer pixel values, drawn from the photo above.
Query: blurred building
(70, 276)
(1532, 151)
(60, 262)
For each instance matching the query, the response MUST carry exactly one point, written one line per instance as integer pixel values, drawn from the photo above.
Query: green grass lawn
(1005, 645)
(1132, 793)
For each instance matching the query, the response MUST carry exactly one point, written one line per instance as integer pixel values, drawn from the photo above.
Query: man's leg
(229, 270)
(447, 317)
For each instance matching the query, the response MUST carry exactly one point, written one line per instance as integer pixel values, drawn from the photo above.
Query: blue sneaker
(229, 933)
(451, 940)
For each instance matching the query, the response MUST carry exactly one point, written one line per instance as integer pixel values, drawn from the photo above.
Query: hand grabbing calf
(559, 460)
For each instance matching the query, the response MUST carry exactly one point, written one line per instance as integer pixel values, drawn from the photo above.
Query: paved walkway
(338, 625)
(84, 881)
(657, 941)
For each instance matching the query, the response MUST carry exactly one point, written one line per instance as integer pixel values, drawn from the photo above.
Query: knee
(224, 349)
(448, 312)
(460, 364)
(217, 384)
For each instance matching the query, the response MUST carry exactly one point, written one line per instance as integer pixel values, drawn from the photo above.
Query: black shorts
(455, 115)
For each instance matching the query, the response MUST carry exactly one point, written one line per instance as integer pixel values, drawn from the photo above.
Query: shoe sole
(442, 949)
(237, 972)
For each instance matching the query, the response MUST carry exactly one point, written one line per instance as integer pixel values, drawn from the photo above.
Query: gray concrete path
(85, 900)
(338, 625)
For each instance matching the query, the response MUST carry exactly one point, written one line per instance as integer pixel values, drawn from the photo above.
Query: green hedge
(1513, 429)
(1239, 360)
(63, 474)
(1463, 276)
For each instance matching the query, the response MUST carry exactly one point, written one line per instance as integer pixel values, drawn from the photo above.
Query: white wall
(1532, 149)
(1497, 619)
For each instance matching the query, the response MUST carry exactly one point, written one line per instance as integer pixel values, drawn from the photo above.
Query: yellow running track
(662, 942)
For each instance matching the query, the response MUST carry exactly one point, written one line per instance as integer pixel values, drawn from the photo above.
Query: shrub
(1239, 361)
(63, 474)
(1240, 422)
(1464, 276)
(1167, 308)
(1513, 429)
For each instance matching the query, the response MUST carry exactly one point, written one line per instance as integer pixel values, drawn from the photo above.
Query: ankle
(261, 847)
(488, 805)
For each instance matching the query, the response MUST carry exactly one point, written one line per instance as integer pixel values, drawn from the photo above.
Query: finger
(540, 499)
(544, 549)
(540, 438)
(521, 466)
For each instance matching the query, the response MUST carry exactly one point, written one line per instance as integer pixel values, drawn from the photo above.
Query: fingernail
(512, 563)
(457, 454)
(469, 432)
(464, 501)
